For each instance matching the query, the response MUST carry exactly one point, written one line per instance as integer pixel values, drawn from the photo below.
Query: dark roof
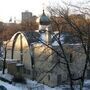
(67, 38)
(32, 36)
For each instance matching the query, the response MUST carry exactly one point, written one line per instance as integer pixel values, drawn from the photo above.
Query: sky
(13, 8)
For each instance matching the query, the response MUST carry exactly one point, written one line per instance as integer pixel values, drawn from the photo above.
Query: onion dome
(44, 20)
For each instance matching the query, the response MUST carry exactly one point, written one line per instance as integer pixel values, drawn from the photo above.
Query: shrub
(19, 79)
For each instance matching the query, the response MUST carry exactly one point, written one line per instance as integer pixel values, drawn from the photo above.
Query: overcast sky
(13, 8)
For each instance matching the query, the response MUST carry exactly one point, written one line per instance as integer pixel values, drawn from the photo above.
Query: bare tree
(63, 21)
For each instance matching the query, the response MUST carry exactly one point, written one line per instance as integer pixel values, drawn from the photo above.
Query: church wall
(45, 59)
(60, 71)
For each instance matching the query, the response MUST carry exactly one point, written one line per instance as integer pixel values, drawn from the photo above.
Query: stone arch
(15, 45)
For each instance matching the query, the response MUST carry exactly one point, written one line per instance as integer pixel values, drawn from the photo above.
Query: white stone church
(31, 52)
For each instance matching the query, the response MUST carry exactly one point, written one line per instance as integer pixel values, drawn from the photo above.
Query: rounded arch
(13, 44)
(19, 43)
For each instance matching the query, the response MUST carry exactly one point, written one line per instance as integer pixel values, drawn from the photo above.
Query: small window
(71, 58)
(48, 77)
(59, 79)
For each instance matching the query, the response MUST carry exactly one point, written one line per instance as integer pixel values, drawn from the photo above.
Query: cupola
(44, 20)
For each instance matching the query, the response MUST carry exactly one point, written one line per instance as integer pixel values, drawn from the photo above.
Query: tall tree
(78, 26)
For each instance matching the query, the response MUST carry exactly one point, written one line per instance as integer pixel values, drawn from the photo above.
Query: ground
(33, 85)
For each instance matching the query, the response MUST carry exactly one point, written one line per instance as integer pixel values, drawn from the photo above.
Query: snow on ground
(18, 86)
(24, 87)
(33, 84)
(9, 86)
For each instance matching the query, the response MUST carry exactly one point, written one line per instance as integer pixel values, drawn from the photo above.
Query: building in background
(28, 21)
(26, 16)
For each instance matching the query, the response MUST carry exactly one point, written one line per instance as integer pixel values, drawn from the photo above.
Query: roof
(66, 37)
(44, 20)
(27, 37)
(32, 36)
